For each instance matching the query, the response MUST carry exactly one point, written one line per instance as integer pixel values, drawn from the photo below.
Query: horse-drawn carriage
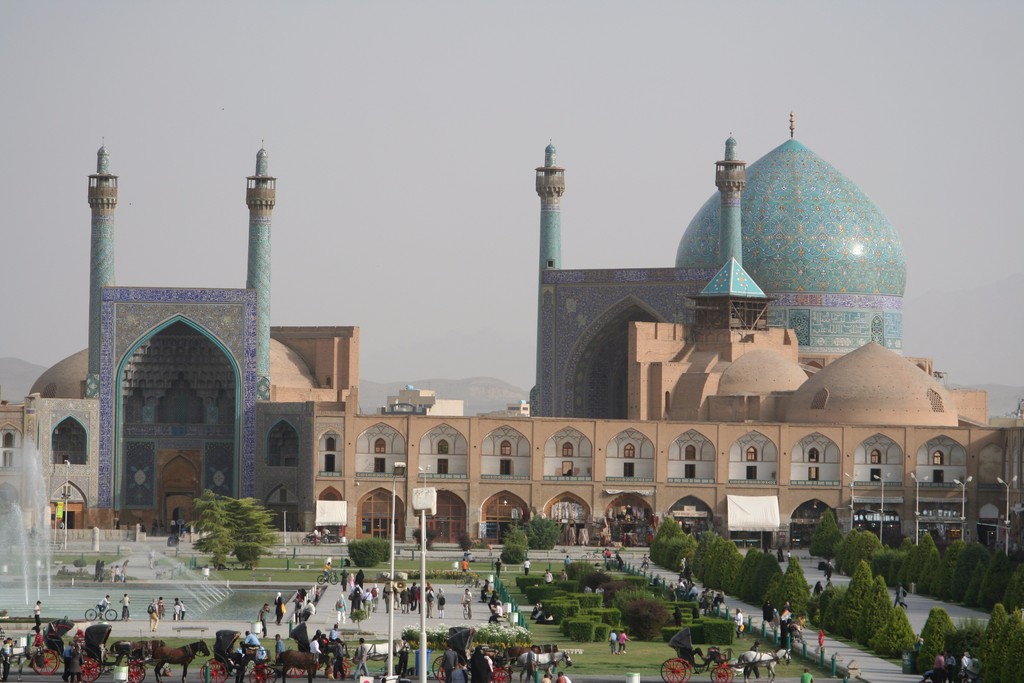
(302, 662)
(461, 641)
(44, 658)
(227, 661)
(95, 660)
(678, 669)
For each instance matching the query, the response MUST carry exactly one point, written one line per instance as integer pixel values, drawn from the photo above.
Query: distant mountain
(17, 377)
(480, 394)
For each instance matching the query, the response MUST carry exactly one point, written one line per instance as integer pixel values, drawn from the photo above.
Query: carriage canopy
(460, 639)
(54, 632)
(95, 639)
(682, 641)
(301, 637)
(223, 642)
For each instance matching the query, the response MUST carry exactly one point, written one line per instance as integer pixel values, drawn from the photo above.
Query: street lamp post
(917, 508)
(881, 505)
(423, 500)
(1006, 535)
(67, 498)
(398, 471)
(963, 503)
(851, 498)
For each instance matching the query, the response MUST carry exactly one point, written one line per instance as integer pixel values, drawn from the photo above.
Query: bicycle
(329, 578)
(94, 614)
(467, 610)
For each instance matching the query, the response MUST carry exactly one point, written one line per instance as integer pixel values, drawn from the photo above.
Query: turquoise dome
(806, 228)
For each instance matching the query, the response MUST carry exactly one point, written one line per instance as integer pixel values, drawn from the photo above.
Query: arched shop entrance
(501, 512)
(630, 520)
(450, 520)
(693, 514)
(804, 521)
(375, 515)
(573, 515)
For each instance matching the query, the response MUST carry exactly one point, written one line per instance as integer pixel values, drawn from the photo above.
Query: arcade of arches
(501, 512)
(573, 514)
(629, 520)
(375, 515)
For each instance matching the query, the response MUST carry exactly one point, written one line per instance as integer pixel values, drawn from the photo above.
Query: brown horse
(178, 655)
(299, 661)
(135, 650)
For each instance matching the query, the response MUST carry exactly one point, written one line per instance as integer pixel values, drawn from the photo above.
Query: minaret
(260, 197)
(550, 188)
(730, 177)
(102, 201)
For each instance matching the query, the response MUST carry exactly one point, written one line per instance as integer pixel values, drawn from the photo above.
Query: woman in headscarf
(479, 667)
(279, 608)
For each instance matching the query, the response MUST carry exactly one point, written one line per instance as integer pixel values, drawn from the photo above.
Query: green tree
(668, 531)
(707, 540)
(722, 565)
(918, 555)
(993, 643)
(767, 569)
(943, 575)
(856, 601)
(542, 533)
(233, 526)
(515, 544)
(934, 636)
(973, 592)
(793, 587)
(369, 552)
(967, 561)
(877, 605)
(827, 536)
(1013, 598)
(1009, 659)
(745, 579)
(997, 578)
(931, 561)
(894, 633)
(857, 546)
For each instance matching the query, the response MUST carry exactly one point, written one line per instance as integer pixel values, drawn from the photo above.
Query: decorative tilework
(258, 278)
(132, 314)
(219, 467)
(101, 274)
(732, 280)
(139, 474)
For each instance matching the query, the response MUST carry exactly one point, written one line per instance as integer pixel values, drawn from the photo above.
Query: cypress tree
(795, 587)
(894, 633)
(1009, 655)
(746, 576)
(827, 536)
(875, 612)
(973, 592)
(943, 575)
(934, 636)
(1013, 598)
(997, 577)
(993, 644)
(930, 567)
(967, 561)
(856, 600)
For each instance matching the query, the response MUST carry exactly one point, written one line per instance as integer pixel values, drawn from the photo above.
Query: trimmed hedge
(535, 594)
(601, 633)
(562, 608)
(582, 630)
(718, 632)
(667, 632)
(589, 600)
(567, 623)
(568, 586)
(607, 615)
(524, 582)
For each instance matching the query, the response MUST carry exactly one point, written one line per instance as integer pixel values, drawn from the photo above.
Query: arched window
(283, 446)
(668, 402)
(629, 451)
(330, 444)
(442, 447)
(876, 456)
(751, 454)
(506, 448)
(813, 455)
(938, 458)
(8, 440)
(690, 452)
(380, 446)
(69, 442)
(566, 450)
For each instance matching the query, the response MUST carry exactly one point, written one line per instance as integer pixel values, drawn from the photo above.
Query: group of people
(945, 667)
(117, 573)
(617, 641)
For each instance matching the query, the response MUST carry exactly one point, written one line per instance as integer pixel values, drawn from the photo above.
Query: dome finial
(550, 154)
(102, 158)
(792, 125)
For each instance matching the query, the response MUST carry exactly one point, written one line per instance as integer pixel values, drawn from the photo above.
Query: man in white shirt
(739, 619)
(526, 567)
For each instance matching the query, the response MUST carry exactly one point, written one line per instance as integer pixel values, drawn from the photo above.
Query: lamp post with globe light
(398, 471)
(850, 476)
(963, 503)
(917, 507)
(1006, 535)
(424, 500)
(881, 505)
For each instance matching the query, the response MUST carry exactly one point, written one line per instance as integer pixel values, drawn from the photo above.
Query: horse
(299, 661)
(545, 660)
(752, 660)
(515, 652)
(177, 655)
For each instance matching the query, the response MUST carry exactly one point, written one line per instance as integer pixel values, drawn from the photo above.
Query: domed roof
(761, 371)
(66, 379)
(873, 386)
(806, 228)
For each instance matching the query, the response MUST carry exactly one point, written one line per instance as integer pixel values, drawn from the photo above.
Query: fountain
(25, 527)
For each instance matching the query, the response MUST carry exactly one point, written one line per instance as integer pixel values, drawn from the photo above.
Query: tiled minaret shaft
(550, 188)
(103, 202)
(730, 178)
(260, 197)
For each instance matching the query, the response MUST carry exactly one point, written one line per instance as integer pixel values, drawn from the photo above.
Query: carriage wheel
(263, 674)
(91, 669)
(501, 674)
(46, 662)
(676, 670)
(723, 673)
(346, 667)
(213, 671)
(136, 672)
(435, 667)
(294, 672)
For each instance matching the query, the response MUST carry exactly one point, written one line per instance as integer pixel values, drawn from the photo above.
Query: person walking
(262, 618)
(806, 676)
(183, 610)
(739, 622)
(126, 612)
(430, 601)
(341, 607)
(279, 608)
(176, 609)
(440, 603)
(362, 653)
(526, 567)
(479, 668)
(497, 568)
(901, 597)
(37, 612)
(613, 641)
(467, 604)
(623, 639)
(74, 666)
(449, 660)
(154, 616)
(160, 607)
(6, 654)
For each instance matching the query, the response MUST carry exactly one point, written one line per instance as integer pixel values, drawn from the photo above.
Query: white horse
(751, 661)
(542, 660)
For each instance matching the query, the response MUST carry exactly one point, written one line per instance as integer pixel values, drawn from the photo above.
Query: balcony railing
(814, 482)
(559, 477)
(329, 473)
(875, 484)
(445, 475)
(691, 480)
(629, 478)
(379, 475)
(504, 476)
(754, 482)
(938, 485)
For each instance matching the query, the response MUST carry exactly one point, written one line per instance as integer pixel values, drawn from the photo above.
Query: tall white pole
(422, 666)
(1006, 534)
(399, 470)
(67, 498)
(881, 527)
(917, 509)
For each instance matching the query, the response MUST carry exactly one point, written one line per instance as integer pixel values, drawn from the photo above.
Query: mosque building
(748, 388)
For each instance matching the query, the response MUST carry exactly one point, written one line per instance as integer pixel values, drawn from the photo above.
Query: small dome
(102, 161)
(287, 369)
(873, 386)
(550, 155)
(65, 379)
(761, 371)
(262, 163)
(730, 149)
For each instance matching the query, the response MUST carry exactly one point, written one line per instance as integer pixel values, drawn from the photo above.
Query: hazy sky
(404, 138)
